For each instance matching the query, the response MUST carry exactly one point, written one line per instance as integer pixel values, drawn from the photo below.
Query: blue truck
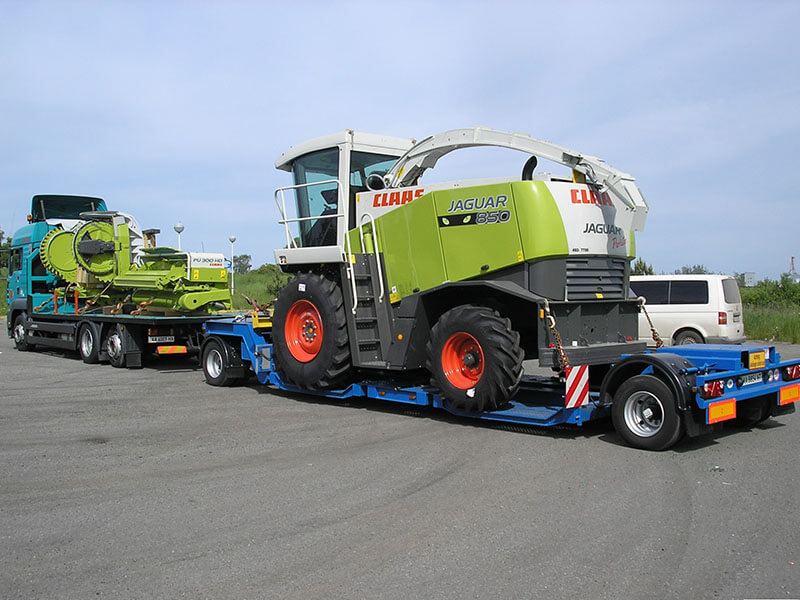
(45, 311)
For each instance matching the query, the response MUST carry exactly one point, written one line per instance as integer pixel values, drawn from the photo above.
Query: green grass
(780, 323)
(261, 286)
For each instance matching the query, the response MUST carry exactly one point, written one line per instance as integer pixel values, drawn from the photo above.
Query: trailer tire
(752, 412)
(19, 332)
(113, 347)
(645, 414)
(309, 333)
(88, 344)
(216, 366)
(475, 359)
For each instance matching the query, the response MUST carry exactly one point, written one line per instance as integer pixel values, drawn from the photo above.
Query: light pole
(232, 239)
(178, 229)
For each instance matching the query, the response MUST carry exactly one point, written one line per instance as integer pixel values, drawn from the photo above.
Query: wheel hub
(462, 360)
(644, 414)
(303, 331)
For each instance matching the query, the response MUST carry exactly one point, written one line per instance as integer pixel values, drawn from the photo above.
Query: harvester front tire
(475, 359)
(19, 332)
(113, 347)
(309, 333)
(88, 344)
(645, 415)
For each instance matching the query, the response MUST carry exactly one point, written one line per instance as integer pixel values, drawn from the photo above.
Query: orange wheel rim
(462, 360)
(303, 331)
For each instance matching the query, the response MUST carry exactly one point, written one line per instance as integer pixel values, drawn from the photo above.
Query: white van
(690, 309)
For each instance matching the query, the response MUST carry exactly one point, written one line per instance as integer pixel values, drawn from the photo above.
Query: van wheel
(688, 337)
(645, 415)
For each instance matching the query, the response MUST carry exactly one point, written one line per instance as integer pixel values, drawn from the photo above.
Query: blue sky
(177, 110)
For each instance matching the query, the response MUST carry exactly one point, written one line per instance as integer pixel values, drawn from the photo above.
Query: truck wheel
(645, 415)
(309, 332)
(19, 332)
(475, 359)
(88, 346)
(215, 364)
(113, 347)
(688, 337)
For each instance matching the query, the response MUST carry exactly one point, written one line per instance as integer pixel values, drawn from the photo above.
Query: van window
(730, 290)
(689, 292)
(655, 292)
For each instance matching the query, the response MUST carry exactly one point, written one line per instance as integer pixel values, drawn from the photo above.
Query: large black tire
(645, 415)
(216, 366)
(113, 346)
(689, 336)
(309, 333)
(19, 331)
(88, 344)
(475, 359)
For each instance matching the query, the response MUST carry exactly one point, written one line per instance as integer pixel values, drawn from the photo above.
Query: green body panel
(412, 252)
(470, 248)
(440, 236)
(541, 227)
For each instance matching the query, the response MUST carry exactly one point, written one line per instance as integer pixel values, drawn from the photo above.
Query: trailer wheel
(645, 415)
(88, 346)
(752, 412)
(215, 364)
(113, 347)
(309, 332)
(19, 332)
(475, 359)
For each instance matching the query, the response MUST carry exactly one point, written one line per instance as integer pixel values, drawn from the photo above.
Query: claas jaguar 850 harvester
(434, 294)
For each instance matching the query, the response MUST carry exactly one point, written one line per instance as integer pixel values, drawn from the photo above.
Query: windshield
(63, 207)
(319, 200)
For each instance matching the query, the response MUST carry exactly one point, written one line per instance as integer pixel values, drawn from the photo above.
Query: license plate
(752, 378)
(160, 339)
(757, 360)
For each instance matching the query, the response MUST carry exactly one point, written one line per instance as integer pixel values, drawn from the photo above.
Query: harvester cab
(463, 279)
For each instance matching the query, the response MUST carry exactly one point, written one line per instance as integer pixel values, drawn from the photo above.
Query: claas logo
(396, 198)
(590, 197)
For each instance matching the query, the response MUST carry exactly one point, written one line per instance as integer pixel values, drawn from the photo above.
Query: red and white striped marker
(577, 386)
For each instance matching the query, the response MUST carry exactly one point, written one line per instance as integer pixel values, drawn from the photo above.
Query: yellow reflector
(171, 350)
(721, 411)
(757, 360)
(789, 394)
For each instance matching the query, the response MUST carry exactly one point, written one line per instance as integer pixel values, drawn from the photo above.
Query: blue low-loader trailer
(654, 398)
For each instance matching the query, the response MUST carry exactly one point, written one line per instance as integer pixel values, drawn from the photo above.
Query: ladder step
(361, 320)
(368, 342)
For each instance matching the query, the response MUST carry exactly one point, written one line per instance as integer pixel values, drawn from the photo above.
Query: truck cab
(29, 283)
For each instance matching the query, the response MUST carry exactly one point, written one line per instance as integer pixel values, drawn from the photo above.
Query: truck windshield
(63, 207)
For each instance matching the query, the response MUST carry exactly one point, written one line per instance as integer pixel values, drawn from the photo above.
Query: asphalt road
(152, 484)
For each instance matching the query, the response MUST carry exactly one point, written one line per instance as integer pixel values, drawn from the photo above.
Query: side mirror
(375, 182)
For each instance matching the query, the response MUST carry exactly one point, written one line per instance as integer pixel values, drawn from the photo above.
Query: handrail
(374, 249)
(290, 243)
(351, 274)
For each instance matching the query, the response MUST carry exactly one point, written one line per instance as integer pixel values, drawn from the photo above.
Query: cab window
(317, 200)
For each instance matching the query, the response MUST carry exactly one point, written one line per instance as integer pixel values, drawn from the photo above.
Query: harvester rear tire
(88, 344)
(113, 347)
(475, 359)
(309, 333)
